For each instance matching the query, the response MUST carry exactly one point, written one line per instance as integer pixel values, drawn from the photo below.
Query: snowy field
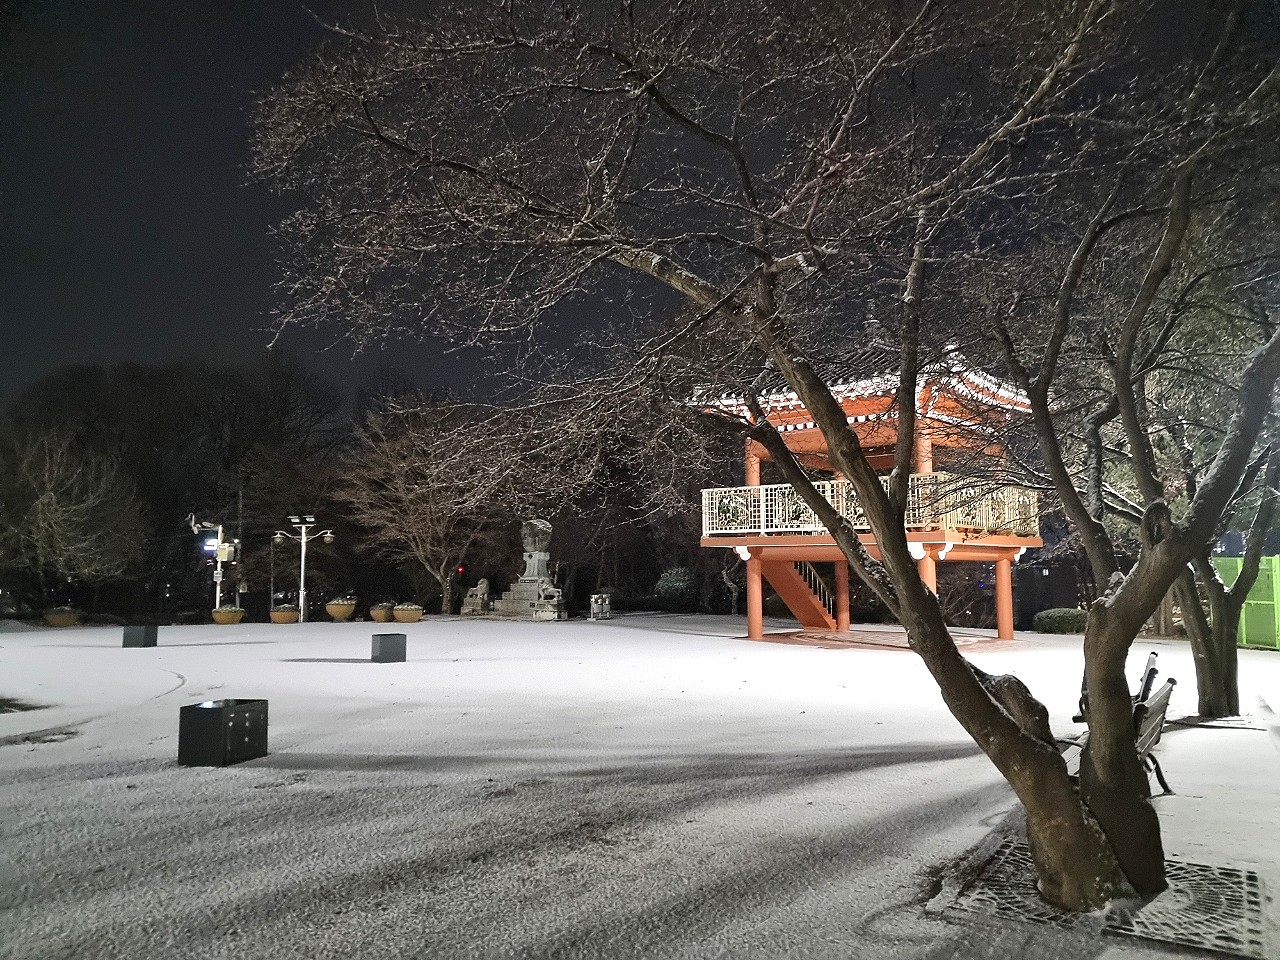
(650, 786)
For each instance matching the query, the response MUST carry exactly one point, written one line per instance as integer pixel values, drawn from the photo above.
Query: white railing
(935, 500)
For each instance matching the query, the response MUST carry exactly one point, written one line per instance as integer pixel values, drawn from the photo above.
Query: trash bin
(600, 607)
(218, 733)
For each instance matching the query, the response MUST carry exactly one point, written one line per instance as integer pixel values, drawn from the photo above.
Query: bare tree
(70, 515)
(428, 485)
(792, 172)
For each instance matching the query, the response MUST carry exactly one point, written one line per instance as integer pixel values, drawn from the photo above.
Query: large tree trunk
(1213, 634)
(1113, 782)
(1076, 863)
(1222, 698)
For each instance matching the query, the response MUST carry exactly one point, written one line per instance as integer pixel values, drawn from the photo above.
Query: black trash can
(217, 733)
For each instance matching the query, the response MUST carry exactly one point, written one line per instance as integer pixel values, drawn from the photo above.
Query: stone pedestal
(141, 636)
(531, 600)
(388, 648)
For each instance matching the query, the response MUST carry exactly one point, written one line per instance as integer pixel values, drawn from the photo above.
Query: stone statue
(534, 596)
(536, 535)
(477, 600)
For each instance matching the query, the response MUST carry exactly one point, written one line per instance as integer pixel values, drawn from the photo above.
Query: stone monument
(533, 596)
(477, 601)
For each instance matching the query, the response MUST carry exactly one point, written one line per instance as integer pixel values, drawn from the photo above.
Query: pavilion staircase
(803, 590)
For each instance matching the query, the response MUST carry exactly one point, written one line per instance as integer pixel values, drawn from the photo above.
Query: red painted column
(751, 469)
(1004, 598)
(842, 595)
(755, 599)
(928, 568)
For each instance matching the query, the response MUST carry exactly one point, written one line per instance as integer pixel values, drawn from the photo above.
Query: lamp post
(303, 525)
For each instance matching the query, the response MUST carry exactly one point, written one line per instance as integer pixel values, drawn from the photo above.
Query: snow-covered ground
(650, 786)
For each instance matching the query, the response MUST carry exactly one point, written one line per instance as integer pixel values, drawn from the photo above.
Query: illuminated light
(210, 545)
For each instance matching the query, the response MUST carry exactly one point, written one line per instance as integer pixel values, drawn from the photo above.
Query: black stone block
(141, 636)
(388, 648)
(217, 733)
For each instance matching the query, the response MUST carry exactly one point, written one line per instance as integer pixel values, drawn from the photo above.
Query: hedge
(1061, 620)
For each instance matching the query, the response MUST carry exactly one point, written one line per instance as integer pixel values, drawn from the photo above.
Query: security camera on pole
(303, 525)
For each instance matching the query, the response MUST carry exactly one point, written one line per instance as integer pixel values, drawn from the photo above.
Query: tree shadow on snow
(782, 772)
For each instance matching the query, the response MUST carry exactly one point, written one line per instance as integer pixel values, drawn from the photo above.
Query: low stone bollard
(388, 648)
(218, 733)
(143, 636)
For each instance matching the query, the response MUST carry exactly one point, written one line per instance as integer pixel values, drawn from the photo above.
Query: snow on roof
(953, 375)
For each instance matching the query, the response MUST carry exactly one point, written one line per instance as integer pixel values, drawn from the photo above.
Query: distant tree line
(101, 467)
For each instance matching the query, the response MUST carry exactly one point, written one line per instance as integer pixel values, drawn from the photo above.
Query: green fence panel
(1258, 624)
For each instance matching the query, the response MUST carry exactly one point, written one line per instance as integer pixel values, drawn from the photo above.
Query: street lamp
(303, 525)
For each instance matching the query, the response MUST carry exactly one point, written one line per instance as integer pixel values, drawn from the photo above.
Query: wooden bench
(1149, 711)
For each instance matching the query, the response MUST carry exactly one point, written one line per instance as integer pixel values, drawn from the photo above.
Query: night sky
(127, 228)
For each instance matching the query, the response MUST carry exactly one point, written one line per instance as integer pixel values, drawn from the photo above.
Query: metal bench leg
(1155, 765)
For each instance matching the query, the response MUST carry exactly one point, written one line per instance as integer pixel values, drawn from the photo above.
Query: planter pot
(340, 612)
(284, 616)
(62, 618)
(407, 616)
(227, 617)
(380, 614)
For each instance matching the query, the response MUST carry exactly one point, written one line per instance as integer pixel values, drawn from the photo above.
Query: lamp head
(278, 539)
(329, 538)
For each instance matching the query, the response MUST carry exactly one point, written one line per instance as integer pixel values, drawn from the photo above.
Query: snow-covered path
(645, 787)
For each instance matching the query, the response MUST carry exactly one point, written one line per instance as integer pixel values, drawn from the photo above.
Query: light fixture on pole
(215, 547)
(303, 525)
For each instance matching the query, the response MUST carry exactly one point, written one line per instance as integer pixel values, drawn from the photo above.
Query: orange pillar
(752, 469)
(1004, 598)
(842, 595)
(922, 450)
(928, 568)
(755, 599)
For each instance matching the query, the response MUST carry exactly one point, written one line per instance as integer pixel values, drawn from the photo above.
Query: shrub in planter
(1061, 620)
(340, 609)
(285, 613)
(407, 612)
(381, 612)
(62, 616)
(228, 614)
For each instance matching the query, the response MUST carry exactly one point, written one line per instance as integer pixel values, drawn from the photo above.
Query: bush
(676, 590)
(775, 606)
(1061, 620)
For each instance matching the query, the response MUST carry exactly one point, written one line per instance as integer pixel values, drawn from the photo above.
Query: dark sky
(127, 229)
